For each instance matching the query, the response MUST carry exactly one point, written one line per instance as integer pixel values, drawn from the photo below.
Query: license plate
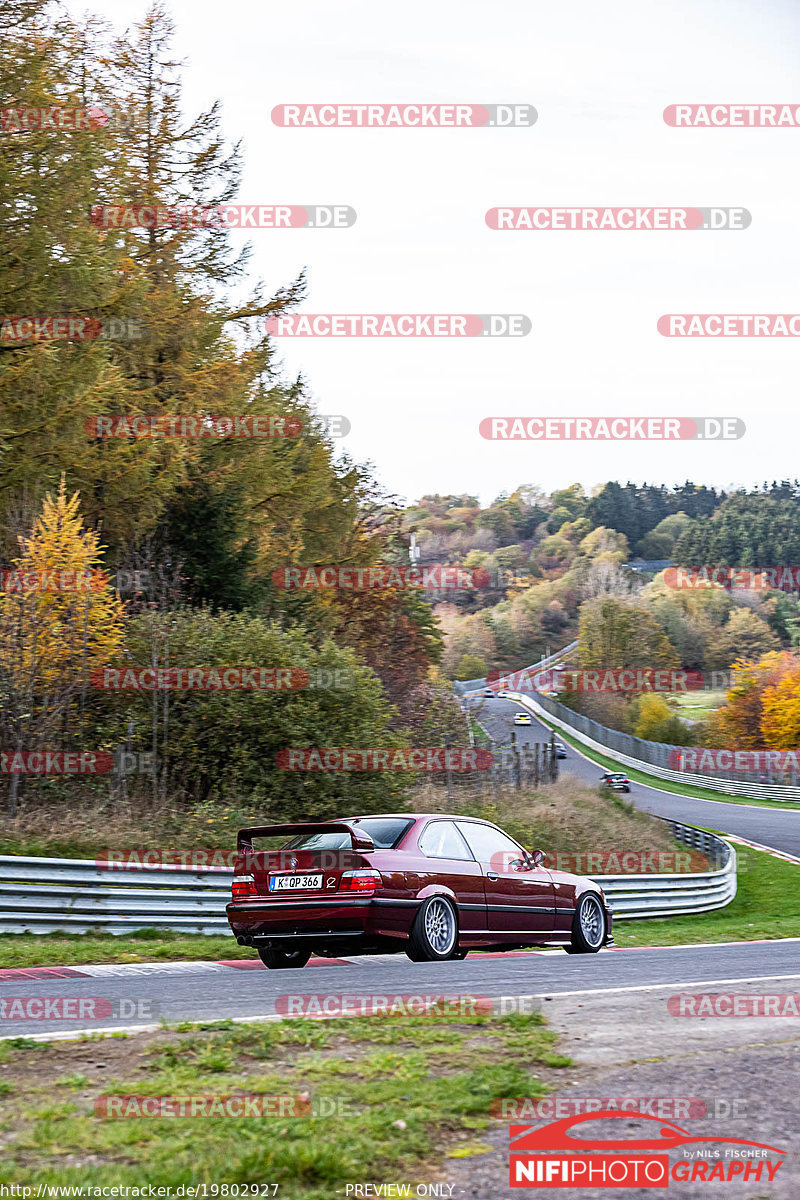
(291, 883)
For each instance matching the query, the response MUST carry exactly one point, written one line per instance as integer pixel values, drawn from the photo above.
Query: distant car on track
(616, 781)
(522, 718)
(561, 749)
(435, 886)
(489, 692)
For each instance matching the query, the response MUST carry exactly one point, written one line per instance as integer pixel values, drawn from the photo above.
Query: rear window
(385, 832)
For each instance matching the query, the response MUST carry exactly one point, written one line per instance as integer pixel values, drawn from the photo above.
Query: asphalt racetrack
(768, 826)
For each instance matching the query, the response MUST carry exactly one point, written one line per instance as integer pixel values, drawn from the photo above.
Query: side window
(441, 839)
(490, 845)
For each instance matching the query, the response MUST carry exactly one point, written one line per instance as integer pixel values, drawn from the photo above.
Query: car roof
(445, 816)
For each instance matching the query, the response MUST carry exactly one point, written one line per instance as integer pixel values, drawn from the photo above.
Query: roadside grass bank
(663, 785)
(478, 732)
(766, 906)
(394, 1097)
(59, 828)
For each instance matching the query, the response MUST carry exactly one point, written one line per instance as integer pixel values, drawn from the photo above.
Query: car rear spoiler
(360, 839)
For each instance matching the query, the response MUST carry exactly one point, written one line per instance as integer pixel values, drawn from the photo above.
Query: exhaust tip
(242, 941)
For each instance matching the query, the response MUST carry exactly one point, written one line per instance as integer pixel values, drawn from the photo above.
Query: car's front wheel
(282, 957)
(588, 926)
(434, 934)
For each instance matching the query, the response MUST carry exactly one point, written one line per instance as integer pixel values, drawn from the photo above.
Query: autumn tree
(738, 723)
(657, 722)
(615, 633)
(60, 618)
(780, 719)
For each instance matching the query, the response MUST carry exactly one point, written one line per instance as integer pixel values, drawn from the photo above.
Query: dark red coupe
(435, 886)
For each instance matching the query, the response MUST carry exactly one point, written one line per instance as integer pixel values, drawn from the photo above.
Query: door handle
(491, 875)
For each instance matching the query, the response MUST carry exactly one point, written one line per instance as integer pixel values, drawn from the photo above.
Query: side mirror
(537, 858)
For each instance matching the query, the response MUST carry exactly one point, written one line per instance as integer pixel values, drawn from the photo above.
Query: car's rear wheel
(283, 957)
(434, 934)
(588, 926)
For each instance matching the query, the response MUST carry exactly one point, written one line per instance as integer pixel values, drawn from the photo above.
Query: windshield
(384, 831)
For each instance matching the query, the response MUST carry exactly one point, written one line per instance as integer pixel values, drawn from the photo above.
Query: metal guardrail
(464, 687)
(673, 895)
(563, 718)
(57, 895)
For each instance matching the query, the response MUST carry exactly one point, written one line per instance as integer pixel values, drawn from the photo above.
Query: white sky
(600, 76)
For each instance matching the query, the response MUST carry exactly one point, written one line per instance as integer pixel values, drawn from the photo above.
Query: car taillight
(244, 886)
(360, 881)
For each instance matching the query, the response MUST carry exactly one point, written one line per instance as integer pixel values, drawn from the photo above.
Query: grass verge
(404, 1094)
(146, 945)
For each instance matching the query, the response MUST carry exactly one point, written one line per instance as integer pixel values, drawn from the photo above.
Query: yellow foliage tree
(738, 723)
(780, 720)
(60, 616)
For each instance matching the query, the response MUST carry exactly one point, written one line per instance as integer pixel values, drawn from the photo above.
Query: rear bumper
(289, 918)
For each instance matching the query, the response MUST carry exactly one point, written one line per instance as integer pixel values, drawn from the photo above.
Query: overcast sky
(599, 77)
